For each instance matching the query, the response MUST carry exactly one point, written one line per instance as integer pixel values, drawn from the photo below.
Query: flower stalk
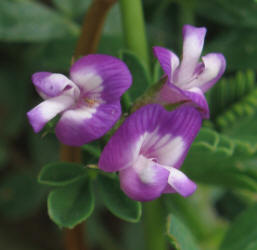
(87, 43)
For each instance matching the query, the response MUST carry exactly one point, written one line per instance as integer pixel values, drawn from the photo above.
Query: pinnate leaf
(217, 159)
(229, 91)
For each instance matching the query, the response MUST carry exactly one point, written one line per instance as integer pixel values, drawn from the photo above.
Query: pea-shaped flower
(148, 150)
(88, 102)
(188, 80)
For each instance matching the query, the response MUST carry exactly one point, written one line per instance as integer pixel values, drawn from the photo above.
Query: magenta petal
(155, 133)
(169, 190)
(124, 146)
(84, 124)
(197, 99)
(47, 110)
(101, 75)
(146, 183)
(181, 183)
(171, 94)
(168, 60)
(51, 84)
(170, 142)
(214, 67)
(193, 40)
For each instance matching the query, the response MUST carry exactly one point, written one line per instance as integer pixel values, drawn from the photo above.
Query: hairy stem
(134, 29)
(87, 43)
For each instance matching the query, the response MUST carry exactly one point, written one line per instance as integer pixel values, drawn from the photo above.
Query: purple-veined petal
(171, 94)
(193, 40)
(181, 183)
(155, 133)
(83, 124)
(52, 84)
(101, 76)
(145, 180)
(168, 60)
(214, 67)
(197, 99)
(124, 146)
(48, 109)
(169, 143)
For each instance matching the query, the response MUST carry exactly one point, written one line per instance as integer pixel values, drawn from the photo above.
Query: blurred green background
(41, 36)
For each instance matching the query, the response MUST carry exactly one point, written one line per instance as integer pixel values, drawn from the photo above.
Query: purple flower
(148, 149)
(88, 102)
(188, 80)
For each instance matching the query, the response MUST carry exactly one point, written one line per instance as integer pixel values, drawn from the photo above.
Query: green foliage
(113, 24)
(179, 236)
(53, 56)
(41, 36)
(93, 149)
(31, 21)
(116, 201)
(218, 160)
(234, 107)
(110, 44)
(61, 173)
(141, 78)
(196, 212)
(231, 12)
(229, 91)
(237, 39)
(238, 46)
(241, 117)
(20, 195)
(70, 7)
(242, 233)
(71, 204)
(43, 149)
(13, 92)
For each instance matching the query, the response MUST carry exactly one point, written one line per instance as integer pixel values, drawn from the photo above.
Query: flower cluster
(150, 146)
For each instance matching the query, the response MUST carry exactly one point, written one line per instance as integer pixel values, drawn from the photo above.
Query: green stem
(154, 226)
(92, 150)
(187, 14)
(134, 29)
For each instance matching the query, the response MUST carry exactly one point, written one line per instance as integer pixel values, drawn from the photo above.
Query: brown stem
(70, 154)
(87, 43)
(74, 238)
(92, 27)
